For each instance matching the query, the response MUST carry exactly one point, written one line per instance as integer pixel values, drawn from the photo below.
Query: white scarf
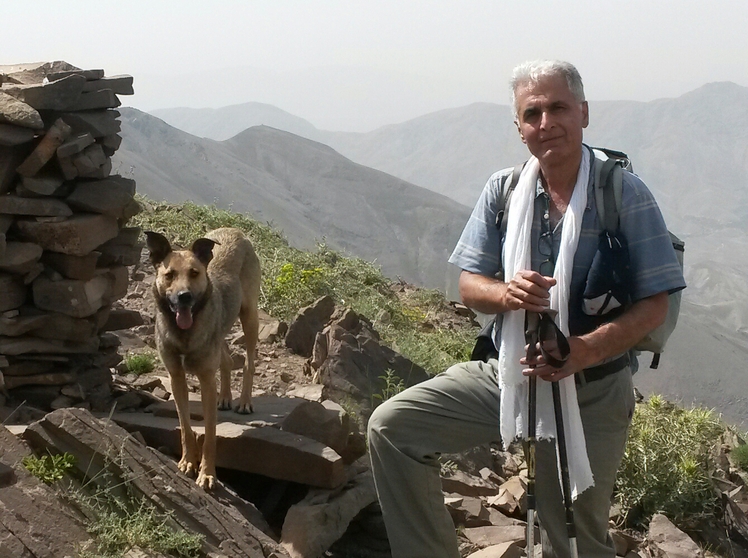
(513, 384)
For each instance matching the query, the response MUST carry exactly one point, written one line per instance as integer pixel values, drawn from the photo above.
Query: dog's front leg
(190, 452)
(206, 478)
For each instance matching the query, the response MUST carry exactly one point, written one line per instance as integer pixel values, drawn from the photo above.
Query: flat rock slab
(34, 523)
(251, 443)
(107, 455)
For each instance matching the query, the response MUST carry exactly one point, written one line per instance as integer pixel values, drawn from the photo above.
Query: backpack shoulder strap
(608, 191)
(505, 194)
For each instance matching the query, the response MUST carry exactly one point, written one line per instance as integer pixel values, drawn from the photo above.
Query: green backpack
(609, 167)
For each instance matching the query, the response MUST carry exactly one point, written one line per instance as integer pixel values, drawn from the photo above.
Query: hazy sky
(355, 65)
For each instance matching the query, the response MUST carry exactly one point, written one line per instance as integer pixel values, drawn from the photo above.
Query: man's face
(550, 120)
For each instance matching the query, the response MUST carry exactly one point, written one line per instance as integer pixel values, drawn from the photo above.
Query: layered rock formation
(63, 241)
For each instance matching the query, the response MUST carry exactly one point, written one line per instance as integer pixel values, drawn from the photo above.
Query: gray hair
(533, 71)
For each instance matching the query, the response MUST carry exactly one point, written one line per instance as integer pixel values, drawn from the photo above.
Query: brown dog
(199, 293)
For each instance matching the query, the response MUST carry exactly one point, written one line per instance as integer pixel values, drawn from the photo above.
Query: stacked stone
(63, 240)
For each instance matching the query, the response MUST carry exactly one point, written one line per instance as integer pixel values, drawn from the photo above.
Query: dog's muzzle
(182, 308)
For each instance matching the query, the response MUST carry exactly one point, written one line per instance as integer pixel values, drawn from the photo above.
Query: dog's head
(181, 276)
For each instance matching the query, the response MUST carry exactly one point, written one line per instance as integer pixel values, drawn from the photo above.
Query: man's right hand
(528, 290)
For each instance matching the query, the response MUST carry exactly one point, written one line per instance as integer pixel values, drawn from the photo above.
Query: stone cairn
(64, 246)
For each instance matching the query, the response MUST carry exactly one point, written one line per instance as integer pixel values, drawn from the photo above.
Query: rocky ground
(484, 488)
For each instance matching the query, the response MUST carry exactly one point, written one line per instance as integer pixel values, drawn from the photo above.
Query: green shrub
(393, 385)
(49, 468)
(740, 456)
(141, 363)
(666, 466)
(117, 530)
(294, 278)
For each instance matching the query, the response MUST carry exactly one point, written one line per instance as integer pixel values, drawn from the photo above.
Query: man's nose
(545, 120)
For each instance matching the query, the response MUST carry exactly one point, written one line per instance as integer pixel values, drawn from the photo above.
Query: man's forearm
(618, 336)
(484, 294)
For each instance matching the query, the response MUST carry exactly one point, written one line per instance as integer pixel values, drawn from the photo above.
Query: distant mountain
(224, 123)
(306, 189)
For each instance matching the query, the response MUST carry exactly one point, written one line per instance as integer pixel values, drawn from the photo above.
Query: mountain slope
(226, 122)
(304, 188)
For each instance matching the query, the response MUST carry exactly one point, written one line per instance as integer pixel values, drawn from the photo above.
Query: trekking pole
(564, 461)
(532, 322)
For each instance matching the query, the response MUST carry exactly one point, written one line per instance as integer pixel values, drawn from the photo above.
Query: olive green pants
(459, 409)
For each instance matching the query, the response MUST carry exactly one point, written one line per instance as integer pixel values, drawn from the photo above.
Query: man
(461, 408)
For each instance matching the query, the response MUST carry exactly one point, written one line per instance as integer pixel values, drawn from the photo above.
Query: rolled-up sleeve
(477, 250)
(654, 264)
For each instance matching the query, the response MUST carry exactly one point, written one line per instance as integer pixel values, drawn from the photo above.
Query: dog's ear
(158, 246)
(203, 249)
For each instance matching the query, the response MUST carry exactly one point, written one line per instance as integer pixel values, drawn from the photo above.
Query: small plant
(447, 468)
(117, 530)
(666, 466)
(140, 363)
(49, 468)
(393, 385)
(740, 456)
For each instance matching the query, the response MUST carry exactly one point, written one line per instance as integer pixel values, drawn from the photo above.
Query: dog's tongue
(184, 318)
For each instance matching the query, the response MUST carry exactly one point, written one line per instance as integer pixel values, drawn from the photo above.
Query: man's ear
(158, 246)
(203, 250)
(585, 114)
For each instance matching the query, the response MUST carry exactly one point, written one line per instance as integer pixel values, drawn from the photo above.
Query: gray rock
(20, 257)
(42, 207)
(12, 292)
(34, 345)
(11, 134)
(10, 158)
(76, 144)
(671, 541)
(71, 297)
(42, 185)
(58, 95)
(13, 111)
(274, 452)
(121, 85)
(46, 149)
(34, 521)
(77, 236)
(97, 99)
(110, 196)
(109, 454)
(306, 324)
(322, 517)
(72, 267)
(98, 123)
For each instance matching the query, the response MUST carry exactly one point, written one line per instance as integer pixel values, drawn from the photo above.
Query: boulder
(322, 517)
(110, 196)
(20, 257)
(11, 135)
(42, 207)
(46, 149)
(54, 95)
(12, 292)
(71, 297)
(309, 320)
(671, 541)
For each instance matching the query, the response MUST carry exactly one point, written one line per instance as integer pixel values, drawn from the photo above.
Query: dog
(199, 293)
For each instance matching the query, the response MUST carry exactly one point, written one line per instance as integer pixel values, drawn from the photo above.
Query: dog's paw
(187, 467)
(206, 482)
(224, 404)
(244, 408)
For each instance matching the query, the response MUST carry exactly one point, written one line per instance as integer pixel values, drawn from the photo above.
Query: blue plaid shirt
(654, 266)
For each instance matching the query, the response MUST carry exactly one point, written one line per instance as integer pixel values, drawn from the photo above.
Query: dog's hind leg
(188, 463)
(225, 398)
(250, 324)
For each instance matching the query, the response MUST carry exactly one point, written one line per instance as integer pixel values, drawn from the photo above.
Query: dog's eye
(169, 275)
(194, 273)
